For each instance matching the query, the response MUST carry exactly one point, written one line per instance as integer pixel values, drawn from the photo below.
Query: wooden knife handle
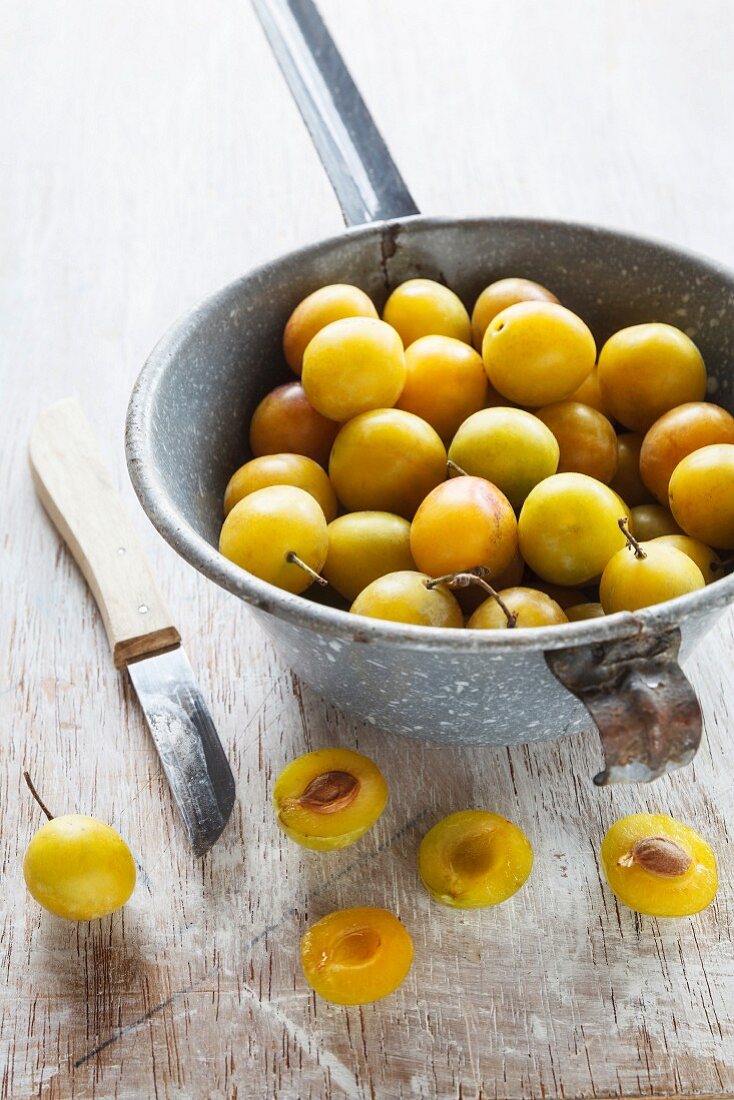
(77, 492)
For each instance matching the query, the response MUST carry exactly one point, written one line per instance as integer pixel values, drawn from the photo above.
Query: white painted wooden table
(150, 153)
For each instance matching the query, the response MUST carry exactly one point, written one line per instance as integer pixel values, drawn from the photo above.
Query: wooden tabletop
(150, 154)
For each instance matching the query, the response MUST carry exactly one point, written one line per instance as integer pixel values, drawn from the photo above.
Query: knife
(77, 492)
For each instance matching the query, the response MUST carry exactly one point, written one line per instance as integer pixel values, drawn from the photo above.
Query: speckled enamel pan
(186, 432)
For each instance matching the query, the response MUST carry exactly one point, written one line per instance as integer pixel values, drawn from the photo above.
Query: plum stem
(294, 559)
(474, 576)
(631, 540)
(36, 795)
(455, 467)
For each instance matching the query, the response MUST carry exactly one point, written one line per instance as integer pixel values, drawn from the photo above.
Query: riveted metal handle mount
(646, 711)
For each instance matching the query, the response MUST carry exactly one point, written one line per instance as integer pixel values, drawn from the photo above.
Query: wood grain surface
(150, 154)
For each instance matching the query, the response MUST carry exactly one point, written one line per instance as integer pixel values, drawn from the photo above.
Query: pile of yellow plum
(488, 469)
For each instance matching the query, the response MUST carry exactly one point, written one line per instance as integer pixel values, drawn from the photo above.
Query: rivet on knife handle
(76, 491)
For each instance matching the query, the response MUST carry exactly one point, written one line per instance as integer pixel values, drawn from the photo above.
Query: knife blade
(77, 492)
(187, 742)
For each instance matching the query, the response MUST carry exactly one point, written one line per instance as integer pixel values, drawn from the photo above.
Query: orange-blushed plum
(422, 307)
(352, 366)
(329, 798)
(569, 528)
(675, 435)
(316, 311)
(645, 370)
(536, 353)
(658, 866)
(284, 469)
(512, 448)
(474, 859)
(279, 534)
(405, 597)
(586, 439)
(702, 495)
(627, 481)
(445, 383)
(521, 608)
(464, 524)
(356, 956)
(364, 546)
(386, 460)
(498, 296)
(285, 423)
